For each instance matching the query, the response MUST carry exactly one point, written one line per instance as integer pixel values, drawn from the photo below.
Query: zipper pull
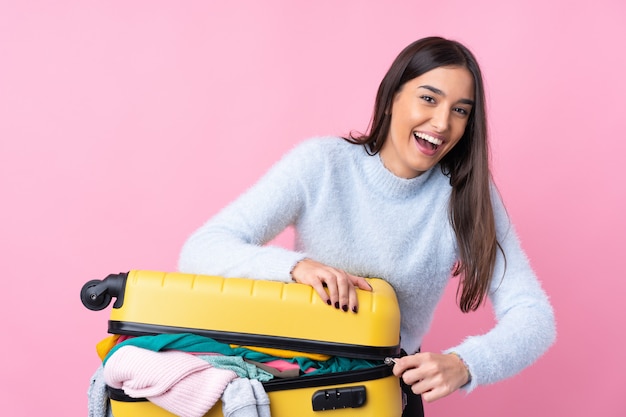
(390, 361)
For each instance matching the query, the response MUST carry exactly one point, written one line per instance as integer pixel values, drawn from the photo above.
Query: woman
(411, 202)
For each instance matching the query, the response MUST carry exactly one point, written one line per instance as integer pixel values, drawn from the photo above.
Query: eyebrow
(441, 93)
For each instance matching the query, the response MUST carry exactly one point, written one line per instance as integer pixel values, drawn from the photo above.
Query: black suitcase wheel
(90, 297)
(96, 294)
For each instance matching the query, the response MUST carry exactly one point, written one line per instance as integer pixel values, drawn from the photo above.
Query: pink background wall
(124, 125)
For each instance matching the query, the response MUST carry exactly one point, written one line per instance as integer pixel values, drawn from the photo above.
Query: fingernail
(355, 309)
(337, 304)
(328, 302)
(344, 307)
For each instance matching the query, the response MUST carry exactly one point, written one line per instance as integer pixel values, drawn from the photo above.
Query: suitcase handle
(96, 294)
(331, 399)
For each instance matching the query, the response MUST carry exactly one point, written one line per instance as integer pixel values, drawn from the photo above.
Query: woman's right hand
(341, 285)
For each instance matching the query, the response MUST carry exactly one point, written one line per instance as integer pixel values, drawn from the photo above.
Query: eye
(428, 99)
(461, 111)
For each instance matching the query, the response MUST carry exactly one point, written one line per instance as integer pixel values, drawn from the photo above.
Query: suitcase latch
(331, 399)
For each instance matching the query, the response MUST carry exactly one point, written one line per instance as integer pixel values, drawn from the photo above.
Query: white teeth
(428, 138)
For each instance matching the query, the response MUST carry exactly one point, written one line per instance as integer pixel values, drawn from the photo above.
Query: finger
(412, 377)
(318, 286)
(424, 386)
(353, 300)
(344, 286)
(361, 283)
(405, 363)
(434, 391)
(427, 378)
(328, 277)
(305, 272)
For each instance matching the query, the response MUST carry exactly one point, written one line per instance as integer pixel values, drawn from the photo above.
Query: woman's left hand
(433, 375)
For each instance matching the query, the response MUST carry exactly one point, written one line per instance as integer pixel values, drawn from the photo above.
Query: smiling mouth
(427, 140)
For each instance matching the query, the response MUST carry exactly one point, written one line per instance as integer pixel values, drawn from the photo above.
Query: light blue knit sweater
(350, 212)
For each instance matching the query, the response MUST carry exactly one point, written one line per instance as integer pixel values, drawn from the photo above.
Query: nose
(440, 119)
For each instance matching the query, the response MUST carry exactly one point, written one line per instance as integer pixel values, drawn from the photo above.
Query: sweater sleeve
(233, 242)
(525, 323)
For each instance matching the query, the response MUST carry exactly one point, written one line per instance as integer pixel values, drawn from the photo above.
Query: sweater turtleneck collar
(389, 184)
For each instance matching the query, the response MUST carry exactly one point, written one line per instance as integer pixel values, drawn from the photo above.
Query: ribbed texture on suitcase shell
(268, 309)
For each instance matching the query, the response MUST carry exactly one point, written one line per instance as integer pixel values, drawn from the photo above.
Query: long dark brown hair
(466, 164)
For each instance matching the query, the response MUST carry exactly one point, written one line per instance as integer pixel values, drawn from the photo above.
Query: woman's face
(428, 117)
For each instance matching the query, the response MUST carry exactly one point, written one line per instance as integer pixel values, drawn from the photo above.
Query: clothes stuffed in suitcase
(264, 314)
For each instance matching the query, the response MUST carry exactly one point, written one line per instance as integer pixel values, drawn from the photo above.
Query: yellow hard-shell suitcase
(270, 314)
